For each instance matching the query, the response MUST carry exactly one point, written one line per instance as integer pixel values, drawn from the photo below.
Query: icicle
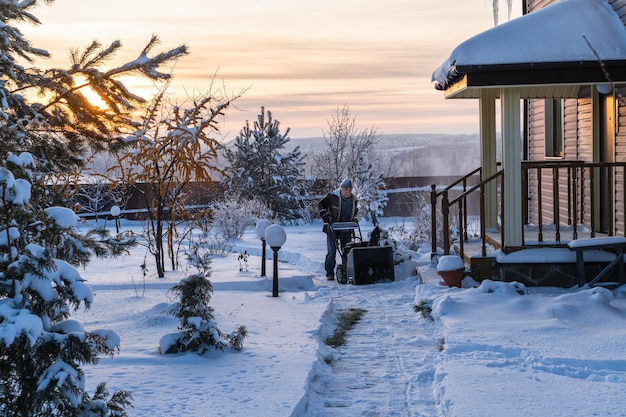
(495, 12)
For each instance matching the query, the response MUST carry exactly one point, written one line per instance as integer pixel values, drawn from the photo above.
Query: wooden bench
(614, 243)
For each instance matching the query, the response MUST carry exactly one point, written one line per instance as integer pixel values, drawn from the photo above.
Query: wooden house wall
(532, 5)
(620, 156)
(620, 140)
(577, 145)
(585, 153)
(536, 152)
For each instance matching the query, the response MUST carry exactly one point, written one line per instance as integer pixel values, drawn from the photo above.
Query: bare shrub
(421, 214)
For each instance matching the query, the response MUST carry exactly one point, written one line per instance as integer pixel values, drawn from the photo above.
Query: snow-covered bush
(420, 231)
(198, 329)
(232, 215)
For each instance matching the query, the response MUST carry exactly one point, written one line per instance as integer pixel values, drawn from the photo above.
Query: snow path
(364, 379)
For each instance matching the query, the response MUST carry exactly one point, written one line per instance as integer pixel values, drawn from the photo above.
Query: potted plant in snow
(451, 269)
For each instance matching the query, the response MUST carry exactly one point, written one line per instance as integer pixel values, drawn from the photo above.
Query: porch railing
(554, 194)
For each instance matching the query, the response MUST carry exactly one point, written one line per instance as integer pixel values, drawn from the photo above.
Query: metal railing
(554, 194)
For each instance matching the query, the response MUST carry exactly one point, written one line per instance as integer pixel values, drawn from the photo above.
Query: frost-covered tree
(99, 195)
(46, 126)
(371, 191)
(173, 148)
(349, 153)
(261, 168)
(233, 214)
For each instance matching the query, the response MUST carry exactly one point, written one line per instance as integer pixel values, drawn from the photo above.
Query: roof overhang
(551, 52)
(535, 80)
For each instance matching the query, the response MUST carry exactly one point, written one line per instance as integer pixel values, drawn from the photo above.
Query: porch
(582, 206)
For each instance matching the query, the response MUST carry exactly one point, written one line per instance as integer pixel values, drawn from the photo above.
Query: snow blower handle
(338, 226)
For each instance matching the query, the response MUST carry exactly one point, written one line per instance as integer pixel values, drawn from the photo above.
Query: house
(558, 73)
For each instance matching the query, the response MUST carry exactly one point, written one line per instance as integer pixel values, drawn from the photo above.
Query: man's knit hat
(346, 183)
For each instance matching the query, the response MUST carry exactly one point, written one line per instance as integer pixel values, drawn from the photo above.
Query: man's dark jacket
(330, 207)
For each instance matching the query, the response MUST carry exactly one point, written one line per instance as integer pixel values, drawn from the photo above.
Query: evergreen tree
(198, 329)
(259, 168)
(46, 126)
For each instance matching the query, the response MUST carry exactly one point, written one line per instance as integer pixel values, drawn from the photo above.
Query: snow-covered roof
(553, 34)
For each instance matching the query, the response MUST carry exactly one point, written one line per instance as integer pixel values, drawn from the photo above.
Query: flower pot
(452, 278)
(451, 269)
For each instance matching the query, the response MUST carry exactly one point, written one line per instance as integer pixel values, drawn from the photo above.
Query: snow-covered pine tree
(259, 168)
(42, 349)
(198, 328)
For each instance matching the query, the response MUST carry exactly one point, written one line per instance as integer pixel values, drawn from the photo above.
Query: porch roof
(548, 53)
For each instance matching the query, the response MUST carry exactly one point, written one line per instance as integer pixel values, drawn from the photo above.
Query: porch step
(472, 248)
(554, 267)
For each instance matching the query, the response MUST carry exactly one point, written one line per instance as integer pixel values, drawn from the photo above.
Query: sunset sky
(300, 59)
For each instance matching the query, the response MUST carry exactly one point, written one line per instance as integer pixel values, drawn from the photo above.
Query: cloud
(301, 59)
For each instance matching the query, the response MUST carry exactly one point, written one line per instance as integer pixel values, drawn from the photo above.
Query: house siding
(574, 148)
(538, 4)
(536, 152)
(620, 156)
(577, 146)
(620, 140)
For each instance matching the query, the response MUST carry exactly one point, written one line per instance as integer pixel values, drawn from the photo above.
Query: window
(554, 128)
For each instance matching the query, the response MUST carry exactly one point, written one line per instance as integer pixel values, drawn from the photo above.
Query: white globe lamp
(275, 236)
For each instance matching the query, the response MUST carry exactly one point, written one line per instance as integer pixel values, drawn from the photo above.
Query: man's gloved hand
(326, 218)
(355, 219)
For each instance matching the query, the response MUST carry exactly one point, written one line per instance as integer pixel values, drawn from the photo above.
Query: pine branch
(149, 66)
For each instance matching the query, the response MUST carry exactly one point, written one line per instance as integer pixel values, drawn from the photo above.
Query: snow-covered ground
(494, 349)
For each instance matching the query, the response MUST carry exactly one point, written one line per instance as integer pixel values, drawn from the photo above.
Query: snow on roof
(551, 34)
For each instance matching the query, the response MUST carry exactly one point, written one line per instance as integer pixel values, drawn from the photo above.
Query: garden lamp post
(260, 232)
(275, 236)
(115, 213)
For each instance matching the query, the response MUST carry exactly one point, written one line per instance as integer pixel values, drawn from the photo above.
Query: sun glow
(89, 93)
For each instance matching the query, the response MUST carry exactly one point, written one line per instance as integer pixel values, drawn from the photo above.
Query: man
(338, 206)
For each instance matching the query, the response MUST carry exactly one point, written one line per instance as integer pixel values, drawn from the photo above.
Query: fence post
(483, 228)
(445, 210)
(556, 203)
(574, 200)
(433, 221)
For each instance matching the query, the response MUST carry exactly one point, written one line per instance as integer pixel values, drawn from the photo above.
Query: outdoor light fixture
(260, 232)
(605, 88)
(115, 213)
(276, 237)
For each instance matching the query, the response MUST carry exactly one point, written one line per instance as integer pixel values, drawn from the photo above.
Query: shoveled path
(364, 379)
